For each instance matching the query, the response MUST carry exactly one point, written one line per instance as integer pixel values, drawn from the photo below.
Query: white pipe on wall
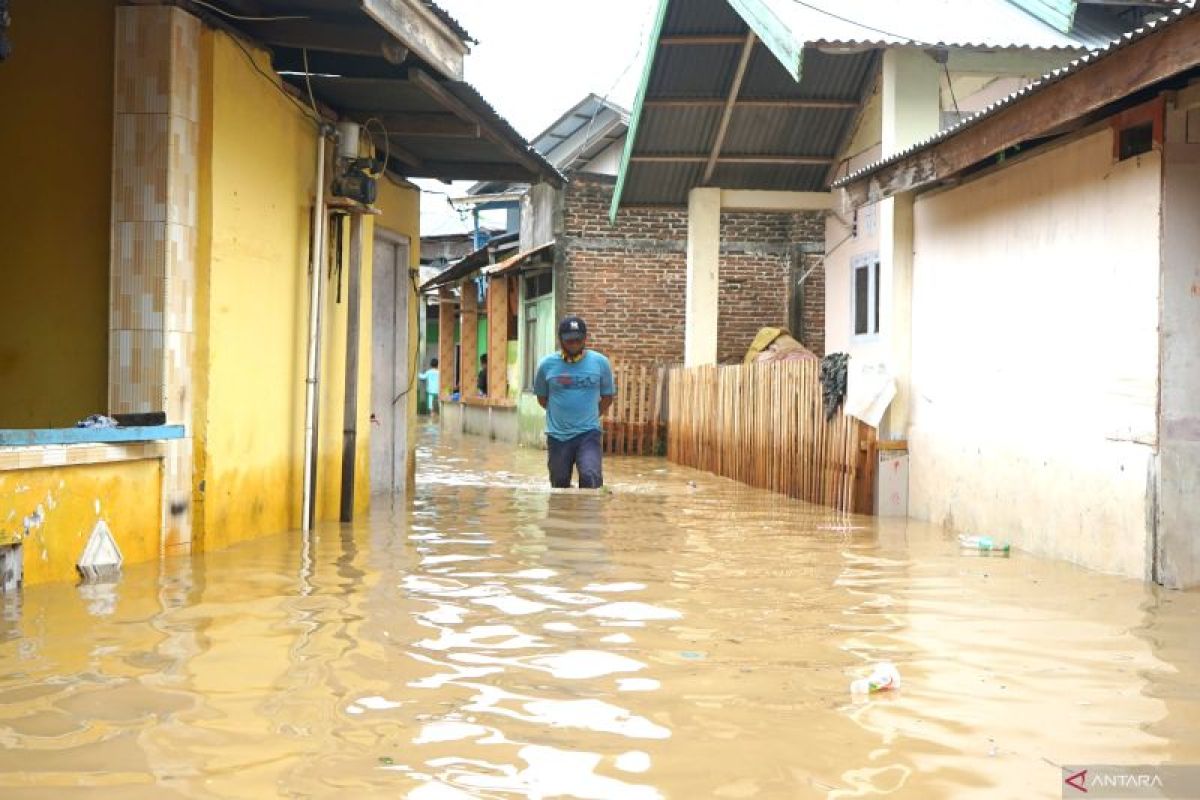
(316, 267)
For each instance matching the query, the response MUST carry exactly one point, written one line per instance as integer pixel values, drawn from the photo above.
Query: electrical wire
(642, 42)
(387, 145)
(950, 86)
(849, 21)
(308, 81)
(240, 18)
(412, 369)
(275, 84)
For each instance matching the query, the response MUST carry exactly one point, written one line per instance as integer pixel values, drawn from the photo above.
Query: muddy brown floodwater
(682, 637)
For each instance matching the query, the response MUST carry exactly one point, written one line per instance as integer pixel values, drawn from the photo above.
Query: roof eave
(636, 114)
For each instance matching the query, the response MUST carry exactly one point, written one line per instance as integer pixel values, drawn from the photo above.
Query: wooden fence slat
(761, 424)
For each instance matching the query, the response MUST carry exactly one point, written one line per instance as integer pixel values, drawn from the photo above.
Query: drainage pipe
(316, 268)
(350, 415)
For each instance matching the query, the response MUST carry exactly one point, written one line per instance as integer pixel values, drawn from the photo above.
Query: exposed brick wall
(628, 280)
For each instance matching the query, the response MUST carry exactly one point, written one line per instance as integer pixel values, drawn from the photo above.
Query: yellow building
(157, 207)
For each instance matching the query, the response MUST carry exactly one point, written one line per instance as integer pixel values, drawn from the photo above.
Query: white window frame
(871, 263)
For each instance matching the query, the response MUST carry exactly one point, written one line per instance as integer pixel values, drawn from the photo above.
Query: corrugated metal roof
(450, 22)
(996, 24)
(517, 261)
(599, 119)
(367, 97)
(690, 73)
(794, 64)
(472, 262)
(1058, 13)
(1048, 79)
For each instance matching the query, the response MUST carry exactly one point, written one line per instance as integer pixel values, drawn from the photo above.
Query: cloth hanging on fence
(833, 382)
(870, 389)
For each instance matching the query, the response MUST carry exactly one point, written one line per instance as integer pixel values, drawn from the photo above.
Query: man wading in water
(575, 386)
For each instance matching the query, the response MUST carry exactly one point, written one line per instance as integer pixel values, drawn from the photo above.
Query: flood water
(682, 637)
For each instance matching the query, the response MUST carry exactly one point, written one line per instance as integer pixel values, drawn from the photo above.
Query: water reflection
(497, 639)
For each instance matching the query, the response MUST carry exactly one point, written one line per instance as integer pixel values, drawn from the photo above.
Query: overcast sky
(537, 58)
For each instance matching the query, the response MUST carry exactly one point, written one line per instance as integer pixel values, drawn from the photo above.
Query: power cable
(271, 79)
(950, 86)
(387, 145)
(240, 18)
(637, 56)
(849, 21)
(308, 81)
(412, 370)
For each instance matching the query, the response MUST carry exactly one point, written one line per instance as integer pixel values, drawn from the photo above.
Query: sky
(537, 58)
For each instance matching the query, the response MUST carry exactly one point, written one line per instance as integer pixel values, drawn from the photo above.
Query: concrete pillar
(911, 101)
(153, 263)
(1177, 544)
(896, 268)
(703, 277)
(911, 98)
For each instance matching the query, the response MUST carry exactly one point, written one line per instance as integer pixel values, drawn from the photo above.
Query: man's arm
(541, 386)
(607, 388)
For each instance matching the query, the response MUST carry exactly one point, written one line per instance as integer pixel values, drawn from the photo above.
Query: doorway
(392, 378)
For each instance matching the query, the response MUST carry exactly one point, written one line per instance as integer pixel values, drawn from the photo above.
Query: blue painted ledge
(24, 437)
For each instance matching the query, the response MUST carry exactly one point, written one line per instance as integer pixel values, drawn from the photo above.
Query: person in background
(575, 386)
(481, 382)
(431, 380)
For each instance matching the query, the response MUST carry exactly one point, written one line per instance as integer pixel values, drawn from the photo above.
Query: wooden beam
(1157, 57)
(714, 102)
(329, 36)
(735, 87)
(414, 27)
(439, 125)
(758, 200)
(400, 152)
(466, 171)
(701, 158)
(454, 105)
(685, 41)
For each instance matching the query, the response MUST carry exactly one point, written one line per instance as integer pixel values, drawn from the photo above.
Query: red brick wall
(628, 280)
(810, 228)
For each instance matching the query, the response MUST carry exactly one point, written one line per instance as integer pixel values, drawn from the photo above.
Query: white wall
(1179, 464)
(1035, 355)
(841, 253)
(540, 212)
(608, 160)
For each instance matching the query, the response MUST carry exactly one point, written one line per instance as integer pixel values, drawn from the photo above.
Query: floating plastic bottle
(884, 678)
(984, 545)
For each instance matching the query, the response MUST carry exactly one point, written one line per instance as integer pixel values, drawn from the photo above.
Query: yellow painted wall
(70, 500)
(56, 139)
(257, 176)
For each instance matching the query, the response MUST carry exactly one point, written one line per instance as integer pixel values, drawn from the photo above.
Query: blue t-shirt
(574, 392)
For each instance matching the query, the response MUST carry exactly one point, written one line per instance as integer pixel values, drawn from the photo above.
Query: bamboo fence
(765, 425)
(633, 425)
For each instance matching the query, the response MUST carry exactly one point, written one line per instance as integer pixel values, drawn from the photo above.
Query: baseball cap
(572, 328)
